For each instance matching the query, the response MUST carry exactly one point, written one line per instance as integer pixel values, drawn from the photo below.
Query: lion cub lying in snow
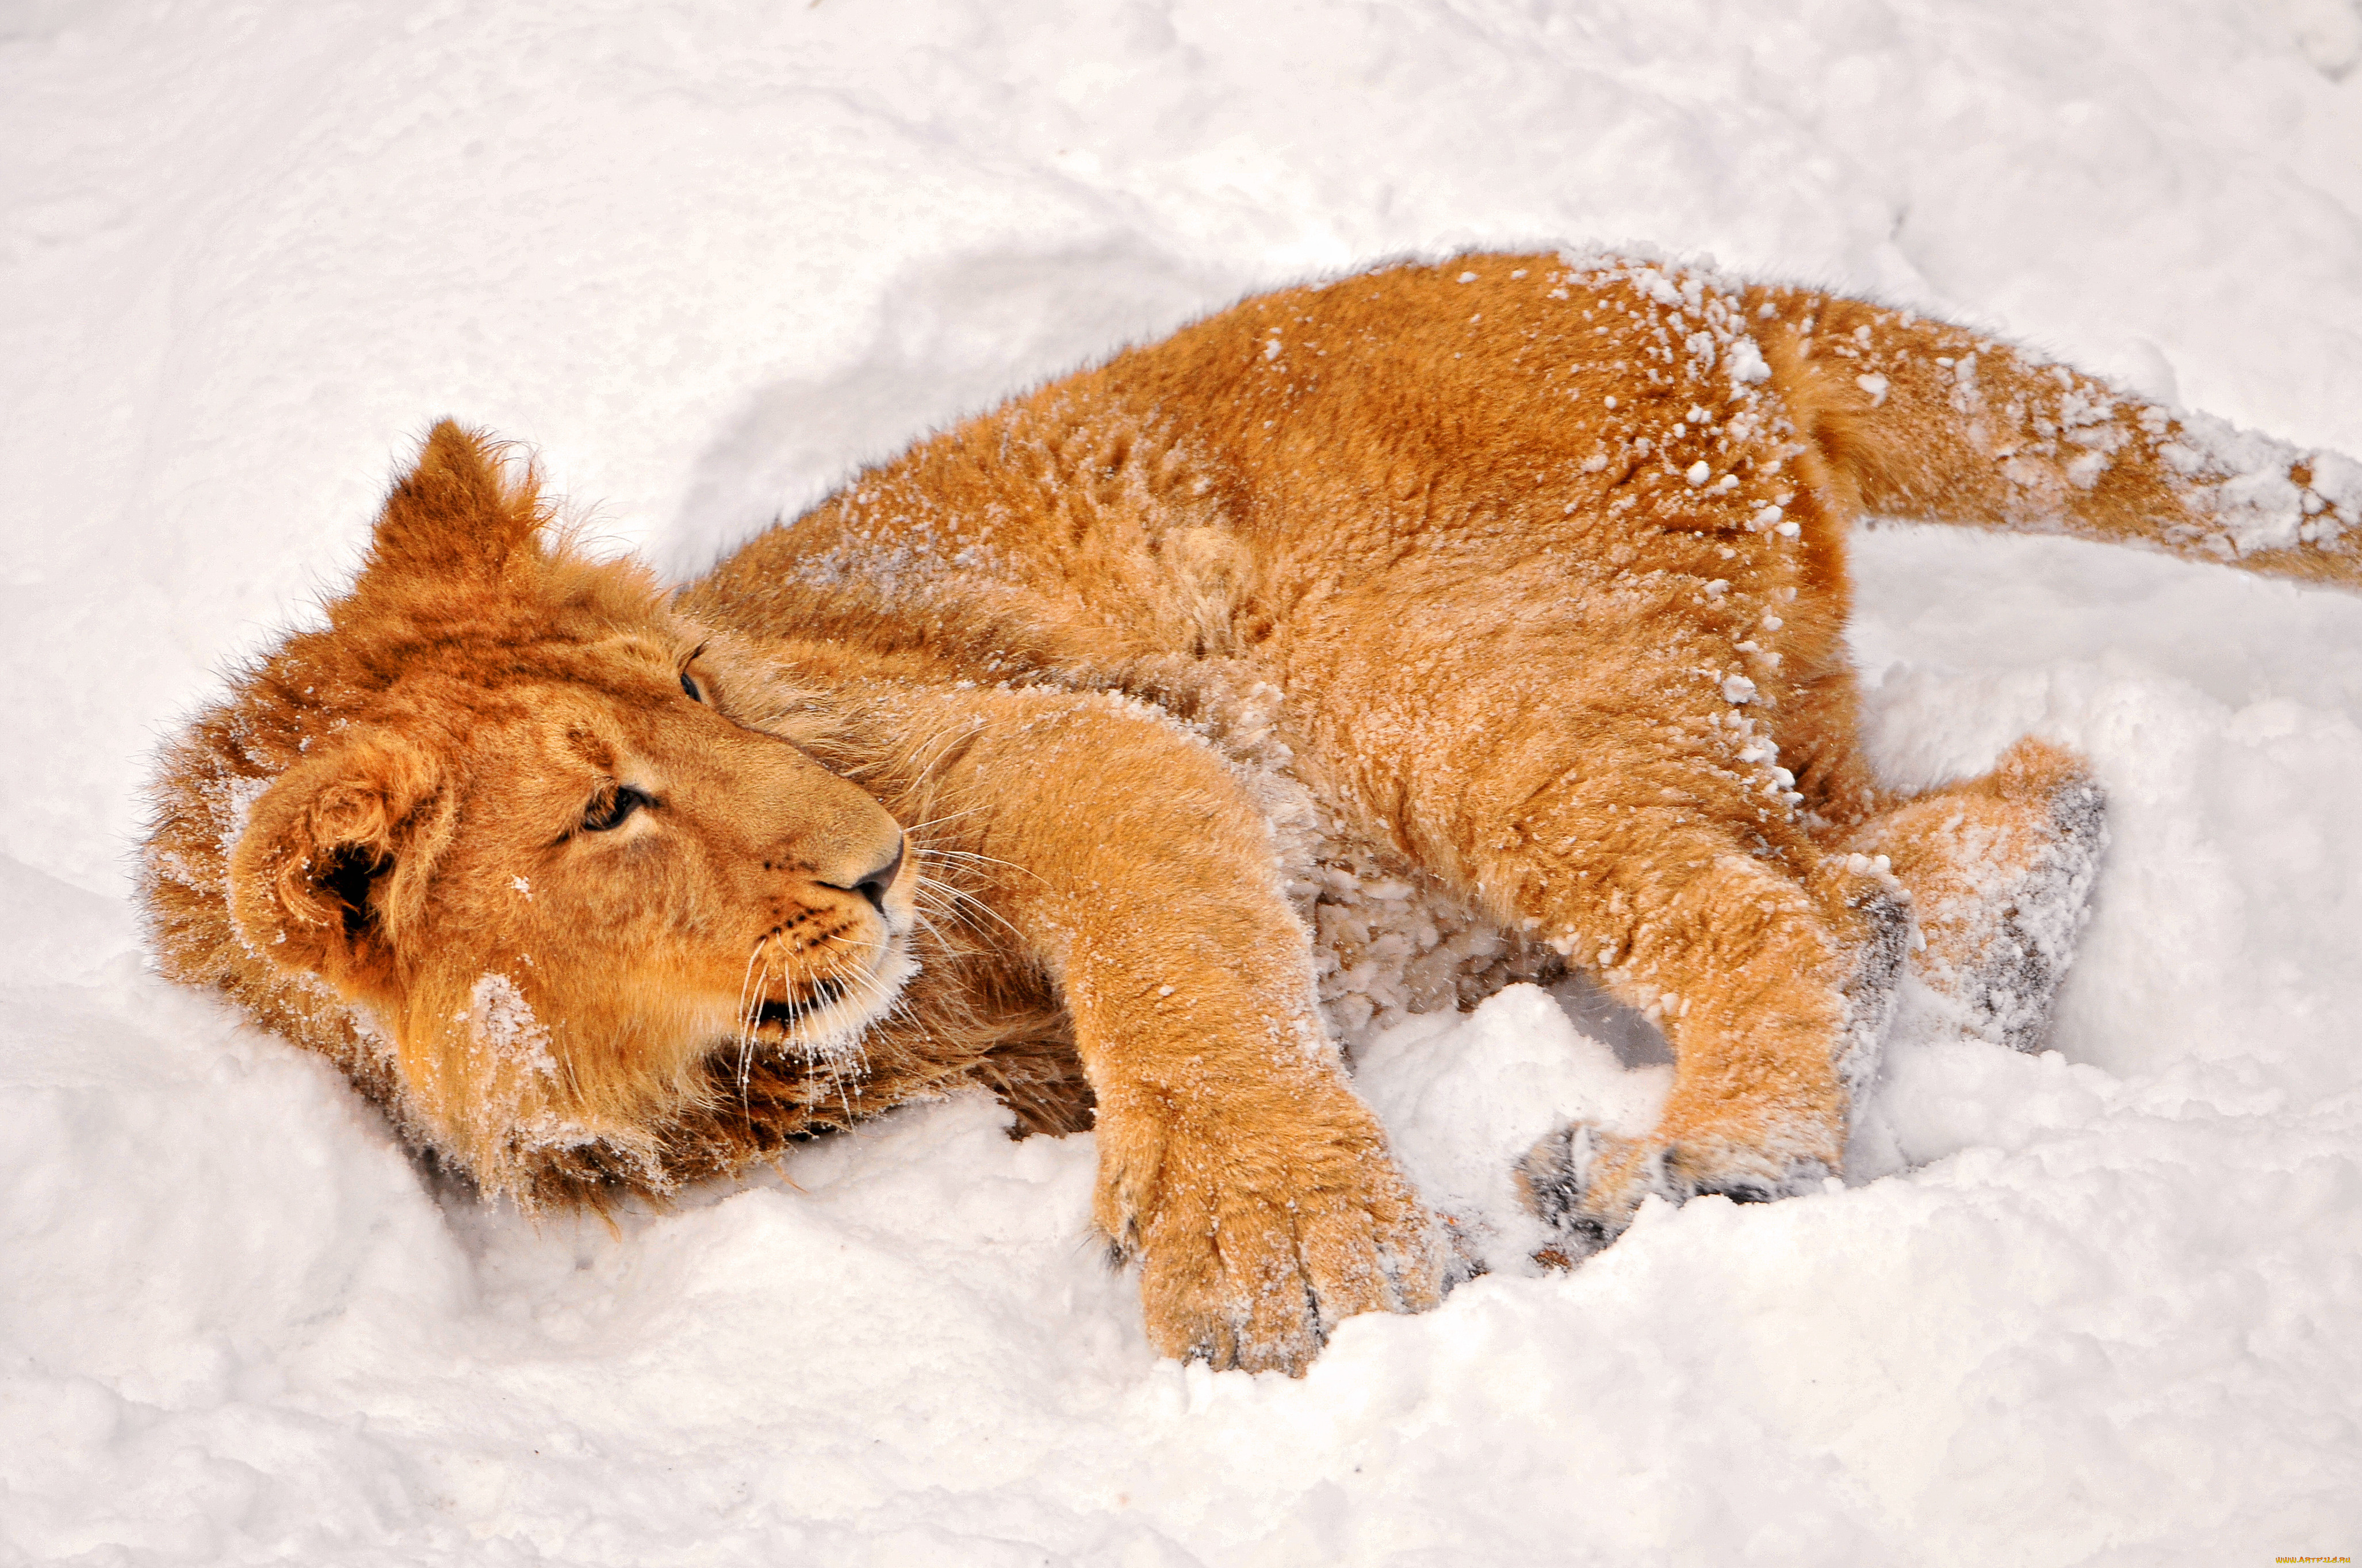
(1362, 645)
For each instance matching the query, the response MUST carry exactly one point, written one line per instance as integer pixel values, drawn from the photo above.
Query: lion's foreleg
(1236, 1162)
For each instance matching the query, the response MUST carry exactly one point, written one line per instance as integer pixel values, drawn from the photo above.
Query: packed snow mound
(2087, 1306)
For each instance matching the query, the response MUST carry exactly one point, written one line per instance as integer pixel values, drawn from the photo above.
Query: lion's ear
(460, 513)
(333, 864)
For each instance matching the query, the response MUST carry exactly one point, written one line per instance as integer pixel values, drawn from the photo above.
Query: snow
(2089, 1306)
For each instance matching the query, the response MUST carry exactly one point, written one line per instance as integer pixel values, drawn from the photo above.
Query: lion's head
(505, 807)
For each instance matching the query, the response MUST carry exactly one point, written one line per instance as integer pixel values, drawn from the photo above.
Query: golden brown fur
(1503, 601)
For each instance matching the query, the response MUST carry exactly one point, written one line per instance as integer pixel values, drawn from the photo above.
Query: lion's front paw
(1586, 1184)
(1253, 1248)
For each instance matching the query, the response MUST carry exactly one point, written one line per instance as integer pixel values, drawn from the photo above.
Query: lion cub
(1074, 752)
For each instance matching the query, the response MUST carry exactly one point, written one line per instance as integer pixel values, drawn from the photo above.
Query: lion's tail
(1923, 420)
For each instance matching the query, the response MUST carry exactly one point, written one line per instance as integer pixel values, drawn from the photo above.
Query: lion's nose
(874, 885)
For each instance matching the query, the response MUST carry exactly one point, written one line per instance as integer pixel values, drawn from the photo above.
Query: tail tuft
(1915, 418)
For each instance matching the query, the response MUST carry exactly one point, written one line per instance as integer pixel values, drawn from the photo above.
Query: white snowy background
(2094, 1306)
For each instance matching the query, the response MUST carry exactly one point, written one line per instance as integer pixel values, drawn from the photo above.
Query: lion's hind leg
(1999, 869)
(1772, 989)
(1587, 785)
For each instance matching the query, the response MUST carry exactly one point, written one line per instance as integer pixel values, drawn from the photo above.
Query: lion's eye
(691, 688)
(610, 811)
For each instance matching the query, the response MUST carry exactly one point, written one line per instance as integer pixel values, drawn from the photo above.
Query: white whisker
(938, 822)
(749, 986)
(962, 900)
(936, 853)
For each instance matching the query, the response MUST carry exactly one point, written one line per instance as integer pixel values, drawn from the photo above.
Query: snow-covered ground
(2096, 1306)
